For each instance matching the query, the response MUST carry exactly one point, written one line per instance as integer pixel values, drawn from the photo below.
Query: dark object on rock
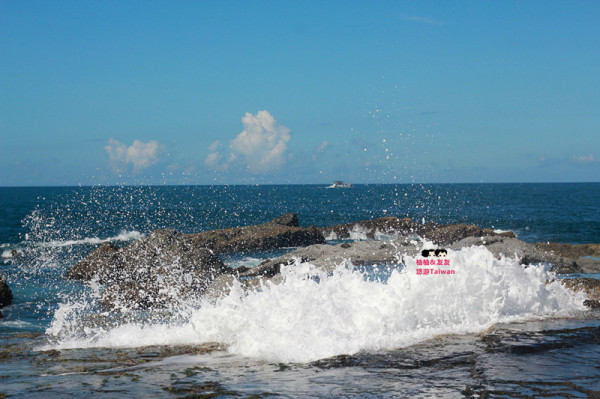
(6, 295)
(590, 286)
(592, 304)
(441, 234)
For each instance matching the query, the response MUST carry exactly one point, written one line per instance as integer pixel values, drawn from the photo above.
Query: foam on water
(314, 315)
(123, 236)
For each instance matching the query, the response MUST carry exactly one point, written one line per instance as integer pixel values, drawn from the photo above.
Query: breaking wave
(313, 314)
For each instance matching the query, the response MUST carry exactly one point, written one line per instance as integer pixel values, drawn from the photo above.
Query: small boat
(340, 184)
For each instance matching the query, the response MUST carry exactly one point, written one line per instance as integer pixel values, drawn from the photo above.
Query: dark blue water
(568, 212)
(54, 227)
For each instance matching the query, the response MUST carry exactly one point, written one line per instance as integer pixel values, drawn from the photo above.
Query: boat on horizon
(340, 184)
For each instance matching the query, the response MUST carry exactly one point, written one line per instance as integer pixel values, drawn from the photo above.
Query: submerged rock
(6, 295)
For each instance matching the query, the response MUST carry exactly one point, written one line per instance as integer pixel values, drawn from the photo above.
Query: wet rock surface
(590, 286)
(6, 295)
(328, 257)
(166, 266)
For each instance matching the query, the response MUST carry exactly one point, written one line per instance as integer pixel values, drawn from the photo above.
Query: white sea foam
(123, 236)
(331, 236)
(313, 315)
(358, 232)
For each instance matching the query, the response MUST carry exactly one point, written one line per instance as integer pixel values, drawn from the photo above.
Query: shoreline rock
(440, 234)
(6, 295)
(166, 266)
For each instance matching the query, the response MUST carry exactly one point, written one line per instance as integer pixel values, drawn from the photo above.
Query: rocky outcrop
(440, 234)
(162, 251)
(6, 295)
(281, 232)
(328, 257)
(154, 271)
(167, 266)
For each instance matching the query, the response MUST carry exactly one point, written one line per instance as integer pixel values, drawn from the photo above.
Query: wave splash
(314, 314)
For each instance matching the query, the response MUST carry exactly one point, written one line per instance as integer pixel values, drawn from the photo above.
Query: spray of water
(313, 314)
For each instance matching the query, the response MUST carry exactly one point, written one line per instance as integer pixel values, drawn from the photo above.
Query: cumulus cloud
(139, 154)
(261, 147)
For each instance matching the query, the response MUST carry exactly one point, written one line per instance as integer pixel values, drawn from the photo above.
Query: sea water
(493, 327)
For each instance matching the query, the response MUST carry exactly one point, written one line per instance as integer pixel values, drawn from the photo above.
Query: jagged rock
(6, 295)
(446, 234)
(154, 271)
(440, 234)
(162, 251)
(167, 266)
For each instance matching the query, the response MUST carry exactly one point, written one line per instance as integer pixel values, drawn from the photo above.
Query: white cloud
(261, 147)
(586, 159)
(423, 20)
(322, 146)
(213, 147)
(140, 155)
(213, 159)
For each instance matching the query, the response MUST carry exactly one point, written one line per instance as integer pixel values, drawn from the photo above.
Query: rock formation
(167, 266)
(6, 295)
(440, 234)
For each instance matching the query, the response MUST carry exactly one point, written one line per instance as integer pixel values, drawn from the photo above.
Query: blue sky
(227, 92)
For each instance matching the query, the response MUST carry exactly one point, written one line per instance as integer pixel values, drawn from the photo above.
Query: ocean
(495, 329)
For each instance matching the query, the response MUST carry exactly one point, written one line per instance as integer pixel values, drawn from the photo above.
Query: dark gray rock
(155, 271)
(261, 237)
(166, 266)
(6, 295)
(289, 219)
